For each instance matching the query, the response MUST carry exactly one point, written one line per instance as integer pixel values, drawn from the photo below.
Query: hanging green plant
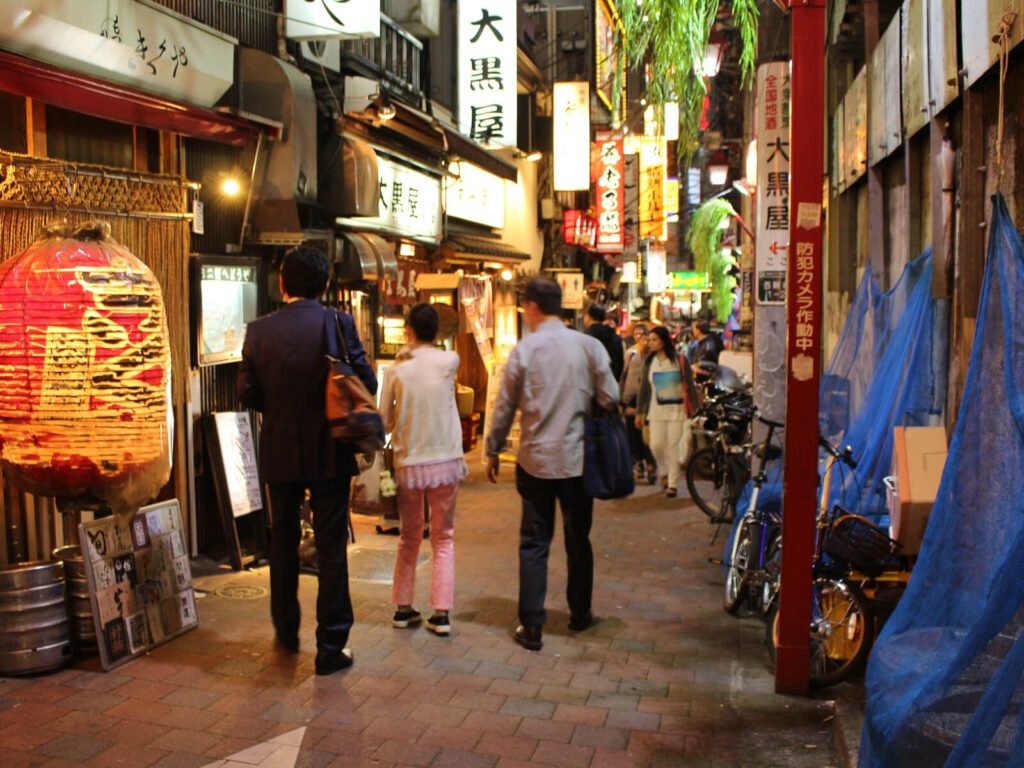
(704, 240)
(669, 38)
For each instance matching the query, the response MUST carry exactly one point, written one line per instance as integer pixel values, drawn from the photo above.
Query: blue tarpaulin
(944, 681)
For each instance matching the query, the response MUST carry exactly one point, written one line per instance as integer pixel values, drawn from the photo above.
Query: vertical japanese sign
(610, 59)
(773, 97)
(571, 136)
(331, 19)
(608, 173)
(652, 187)
(488, 69)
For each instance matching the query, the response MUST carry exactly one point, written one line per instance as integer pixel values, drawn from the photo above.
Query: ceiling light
(506, 275)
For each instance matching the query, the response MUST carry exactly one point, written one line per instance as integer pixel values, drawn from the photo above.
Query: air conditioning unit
(419, 17)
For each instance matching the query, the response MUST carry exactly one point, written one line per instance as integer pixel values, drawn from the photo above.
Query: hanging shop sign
(657, 272)
(473, 194)
(579, 229)
(140, 45)
(631, 197)
(331, 19)
(409, 203)
(652, 187)
(571, 284)
(688, 281)
(610, 59)
(571, 135)
(400, 288)
(488, 67)
(773, 96)
(608, 172)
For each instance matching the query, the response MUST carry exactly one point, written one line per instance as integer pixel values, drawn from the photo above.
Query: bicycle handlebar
(845, 456)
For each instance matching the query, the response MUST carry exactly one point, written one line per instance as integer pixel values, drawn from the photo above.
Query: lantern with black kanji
(85, 370)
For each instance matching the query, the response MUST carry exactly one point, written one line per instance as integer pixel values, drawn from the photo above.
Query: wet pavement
(666, 678)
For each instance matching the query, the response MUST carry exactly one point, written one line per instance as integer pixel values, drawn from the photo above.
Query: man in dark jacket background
(594, 322)
(284, 374)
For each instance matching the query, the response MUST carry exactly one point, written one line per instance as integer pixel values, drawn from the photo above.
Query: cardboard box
(918, 458)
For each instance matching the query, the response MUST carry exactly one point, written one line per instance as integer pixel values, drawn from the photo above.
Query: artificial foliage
(705, 243)
(669, 38)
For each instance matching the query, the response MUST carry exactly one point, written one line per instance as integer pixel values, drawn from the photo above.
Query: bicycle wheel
(772, 568)
(705, 481)
(736, 569)
(842, 629)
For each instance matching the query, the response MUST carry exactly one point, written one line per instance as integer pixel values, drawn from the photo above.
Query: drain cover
(240, 592)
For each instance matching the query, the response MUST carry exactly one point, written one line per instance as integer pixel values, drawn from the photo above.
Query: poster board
(140, 581)
(231, 452)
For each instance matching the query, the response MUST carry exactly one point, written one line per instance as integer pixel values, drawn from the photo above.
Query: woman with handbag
(418, 407)
(668, 397)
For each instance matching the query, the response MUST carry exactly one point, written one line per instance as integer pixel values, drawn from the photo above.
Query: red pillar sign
(803, 347)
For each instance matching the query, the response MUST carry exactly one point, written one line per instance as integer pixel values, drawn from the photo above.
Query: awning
(365, 256)
(91, 96)
(466, 248)
(460, 146)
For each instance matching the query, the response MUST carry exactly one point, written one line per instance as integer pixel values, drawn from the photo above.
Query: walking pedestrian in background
(667, 398)
(417, 404)
(629, 387)
(551, 377)
(594, 320)
(283, 374)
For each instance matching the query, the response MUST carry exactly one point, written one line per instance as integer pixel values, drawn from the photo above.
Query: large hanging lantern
(85, 370)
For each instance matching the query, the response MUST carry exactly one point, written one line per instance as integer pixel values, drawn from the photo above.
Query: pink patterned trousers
(442, 542)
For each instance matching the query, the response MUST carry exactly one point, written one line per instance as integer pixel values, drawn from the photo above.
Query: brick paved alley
(665, 679)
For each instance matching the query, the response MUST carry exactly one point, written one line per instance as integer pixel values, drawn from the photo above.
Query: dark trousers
(535, 534)
(639, 450)
(329, 502)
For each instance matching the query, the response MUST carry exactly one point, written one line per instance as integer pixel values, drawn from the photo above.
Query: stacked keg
(33, 618)
(83, 631)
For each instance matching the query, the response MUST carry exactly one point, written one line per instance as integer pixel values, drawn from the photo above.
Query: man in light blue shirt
(551, 377)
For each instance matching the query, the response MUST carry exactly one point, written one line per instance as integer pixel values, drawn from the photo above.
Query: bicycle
(755, 554)
(717, 473)
(849, 551)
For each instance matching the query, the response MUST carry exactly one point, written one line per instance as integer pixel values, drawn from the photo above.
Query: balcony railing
(396, 55)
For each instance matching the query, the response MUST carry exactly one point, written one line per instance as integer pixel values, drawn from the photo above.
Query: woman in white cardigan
(417, 403)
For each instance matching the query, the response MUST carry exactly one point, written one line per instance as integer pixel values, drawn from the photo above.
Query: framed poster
(140, 581)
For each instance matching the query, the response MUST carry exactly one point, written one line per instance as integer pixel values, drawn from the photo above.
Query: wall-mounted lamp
(718, 169)
(385, 109)
(714, 52)
(230, 186)
(506, 275)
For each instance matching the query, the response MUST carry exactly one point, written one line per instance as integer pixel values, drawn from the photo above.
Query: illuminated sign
(331, 19)
(488, 70)
(571, 139)
(473, 194)
(409, 203)
(610, 60)
(688, 281)
(772, 116)
(608, 172)
(652, 187)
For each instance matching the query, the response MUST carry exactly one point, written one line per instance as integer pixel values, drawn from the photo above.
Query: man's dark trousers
(329, 501)
(535, 534)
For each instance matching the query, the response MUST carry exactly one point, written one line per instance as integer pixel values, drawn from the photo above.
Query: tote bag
(607, 462)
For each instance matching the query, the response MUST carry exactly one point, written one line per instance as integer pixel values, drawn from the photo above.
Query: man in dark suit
(284, 374)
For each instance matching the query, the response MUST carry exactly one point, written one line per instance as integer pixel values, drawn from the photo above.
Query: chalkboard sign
(140, 581)
(231, 450)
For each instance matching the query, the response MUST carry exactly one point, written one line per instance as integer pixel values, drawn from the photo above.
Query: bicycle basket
(858, 542)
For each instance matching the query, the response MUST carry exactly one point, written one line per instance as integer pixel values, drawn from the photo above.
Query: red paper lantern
(85, 370)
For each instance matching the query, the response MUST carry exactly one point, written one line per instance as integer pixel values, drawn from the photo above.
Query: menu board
(140, 581)
(238, 460)
(227, 301)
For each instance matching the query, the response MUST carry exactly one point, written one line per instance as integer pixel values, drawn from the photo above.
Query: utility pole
(803, 348)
